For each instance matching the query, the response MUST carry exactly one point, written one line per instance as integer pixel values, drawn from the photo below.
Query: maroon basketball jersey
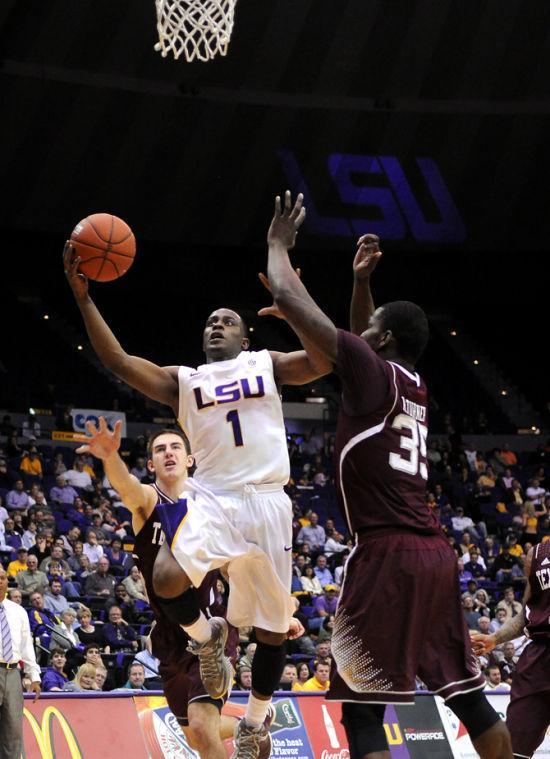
(167, 637)
(381, 442)
(537, 609)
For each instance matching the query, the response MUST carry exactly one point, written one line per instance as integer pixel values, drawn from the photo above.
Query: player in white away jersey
(238, 514)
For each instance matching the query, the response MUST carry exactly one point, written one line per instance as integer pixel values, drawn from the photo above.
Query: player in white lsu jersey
(238, 513)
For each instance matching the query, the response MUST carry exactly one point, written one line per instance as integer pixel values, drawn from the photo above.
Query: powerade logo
(386, 203)
(413, 734)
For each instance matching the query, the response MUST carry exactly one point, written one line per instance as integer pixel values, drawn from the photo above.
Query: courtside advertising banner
(458, 737)
(82, 415)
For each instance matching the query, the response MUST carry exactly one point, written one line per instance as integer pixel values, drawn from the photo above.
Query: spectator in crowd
(530, 522)
(58, 464)
(127, 605)
(494, 679)
(117, 557)
(471, 590)
(471, 616)
(150, 665)
(100, 583)
(90, 633)
(325, 631)
(101, 675)
(136, 677)
(134, 585)
(31, 463)
(139, 469)
(30, 428)
(322, 572)
(92, 549)
(243, 680)
(483, 625)
(63, 494)
(54, 600)
(507, 456)
(320, 680)
(248, 658)
(56, 555)
(334, 544)
(481, 602)
(289, 676)
(64, 636)
(84, 680)
(476, 565)
(466, 544)
(339, 571)
(17, 565)
(324, 605)
(506, 567)
(17, 499)
(314, 534)
(74, 560)
(304, 674)
(14, 594)
(28, 538)
(509, 604)
(310, 582)
(535, 493)
(54, 678)
(498, 621)
(78, 477)
(84, 570)
(12, 446)
(31, 578)
(462, 523)
(508, 662)
(119, 635)
(41, 619)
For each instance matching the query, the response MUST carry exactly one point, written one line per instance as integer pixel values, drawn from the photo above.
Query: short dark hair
(409, 326)
(167, 431)
(57, 651)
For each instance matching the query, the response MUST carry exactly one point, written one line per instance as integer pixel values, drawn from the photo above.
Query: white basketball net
(198, 29)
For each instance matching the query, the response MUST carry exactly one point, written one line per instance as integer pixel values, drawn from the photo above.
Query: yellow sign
(44, 737)
(62, 435)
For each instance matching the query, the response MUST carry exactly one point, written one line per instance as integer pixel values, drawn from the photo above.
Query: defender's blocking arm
(158, 383)
(362, 303)
(290, 296)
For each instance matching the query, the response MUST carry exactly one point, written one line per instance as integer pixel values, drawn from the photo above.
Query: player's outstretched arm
(104, 445)
(296, 367)
(158, 383)
(290, 296)
(512, 628)
(362, 303)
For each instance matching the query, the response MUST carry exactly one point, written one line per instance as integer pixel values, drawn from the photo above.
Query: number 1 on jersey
(233, 417)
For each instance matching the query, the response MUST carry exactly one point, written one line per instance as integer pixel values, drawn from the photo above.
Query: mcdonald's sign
(43, 733)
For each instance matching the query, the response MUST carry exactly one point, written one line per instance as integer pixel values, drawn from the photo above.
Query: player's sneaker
(254, 742)
(215, 668)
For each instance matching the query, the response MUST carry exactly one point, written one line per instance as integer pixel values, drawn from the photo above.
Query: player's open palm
(77, 281)
(100, 441)
(367, 256)
(286, 221)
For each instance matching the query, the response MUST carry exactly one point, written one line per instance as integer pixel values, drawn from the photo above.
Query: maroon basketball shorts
(183, 685)
(528, 715)
(399, 616)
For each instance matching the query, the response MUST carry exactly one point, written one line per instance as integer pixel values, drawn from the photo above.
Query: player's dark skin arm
(158, 383)
(362, 303)
(290, 296)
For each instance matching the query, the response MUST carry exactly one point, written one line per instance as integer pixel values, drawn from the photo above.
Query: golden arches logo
(44, 737)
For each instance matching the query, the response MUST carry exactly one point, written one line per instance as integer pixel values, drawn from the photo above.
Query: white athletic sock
(256, 710)
(199, 630)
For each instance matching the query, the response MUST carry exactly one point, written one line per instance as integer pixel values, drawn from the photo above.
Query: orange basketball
(106, 246)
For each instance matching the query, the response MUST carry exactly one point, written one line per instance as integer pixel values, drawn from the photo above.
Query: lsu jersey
(232, 414)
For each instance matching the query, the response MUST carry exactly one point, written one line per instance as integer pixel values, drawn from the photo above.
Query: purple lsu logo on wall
(398, 212)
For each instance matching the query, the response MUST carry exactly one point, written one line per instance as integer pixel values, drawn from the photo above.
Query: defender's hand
(287, 221)
(77, 281)
(482, 644)
(100, 442)
(367, 256)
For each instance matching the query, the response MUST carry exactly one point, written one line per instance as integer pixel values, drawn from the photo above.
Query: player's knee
(475, 712)
(201, 735)
(169, 579)
(364, 724)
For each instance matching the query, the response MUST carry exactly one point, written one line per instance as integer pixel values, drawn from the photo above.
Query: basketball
(106, 246)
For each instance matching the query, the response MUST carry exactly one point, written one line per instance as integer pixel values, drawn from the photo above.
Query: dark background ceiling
(426, 121)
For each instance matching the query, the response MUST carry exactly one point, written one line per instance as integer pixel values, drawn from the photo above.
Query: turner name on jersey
(232, 414)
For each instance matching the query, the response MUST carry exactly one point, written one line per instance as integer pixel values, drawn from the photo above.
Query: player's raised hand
(77, 281)
(286, 221)
(100, 441)
(367, 256)
(482, 644)
(272, 310)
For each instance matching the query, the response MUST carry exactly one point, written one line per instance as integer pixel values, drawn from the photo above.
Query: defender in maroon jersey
(399, 612)
(528, 716)
(155, 509)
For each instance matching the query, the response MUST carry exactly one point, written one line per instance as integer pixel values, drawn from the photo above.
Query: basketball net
(198, 29)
